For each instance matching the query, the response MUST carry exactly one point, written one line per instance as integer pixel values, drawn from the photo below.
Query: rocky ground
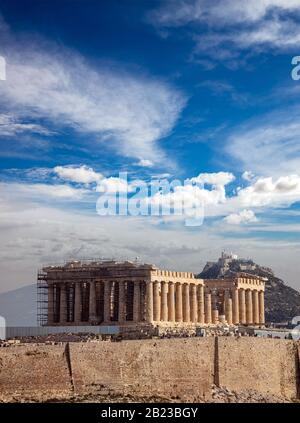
(224, 395)
(218, 395)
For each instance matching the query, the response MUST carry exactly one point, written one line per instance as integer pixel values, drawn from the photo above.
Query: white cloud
(129, 113)
(145, 163)
(42, 191)
(261, 193)
(114, 185)
(244, 216)
(189, 197)
(268, 145)
(172, 194)
(217, 179)
(234, 25)
(82, 174)
(248, 175)
(219, 12)
(11, 126)
(268, 192)
(282, 35)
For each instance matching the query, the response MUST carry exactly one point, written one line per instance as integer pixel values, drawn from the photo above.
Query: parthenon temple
(130, 293)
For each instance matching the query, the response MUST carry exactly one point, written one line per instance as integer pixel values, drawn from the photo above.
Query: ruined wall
(169, 367)
(269, 366)
(34, 372)
(183, 369)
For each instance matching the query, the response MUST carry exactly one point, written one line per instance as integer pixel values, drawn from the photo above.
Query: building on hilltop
(227, 261)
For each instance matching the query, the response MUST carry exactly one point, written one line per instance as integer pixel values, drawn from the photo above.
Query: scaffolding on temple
(42, 299)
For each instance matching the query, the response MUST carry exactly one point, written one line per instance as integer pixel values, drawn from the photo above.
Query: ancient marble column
(156, 301)
(107, 301)
(208, 316)
(228, 309)
(255, 302)
(225, 298)
(92, 303)
(242, 305)
(164, 301)
(122, 305)
(261, 307)
(194, 310)
(186, 302)
(78, 305)
(149, 301)
(200, 295)
(50, 320)
(178, 303)
(136, 301)
(171, 302)
(249, 307)
(215, 316)
(235, 306)
(63, 304)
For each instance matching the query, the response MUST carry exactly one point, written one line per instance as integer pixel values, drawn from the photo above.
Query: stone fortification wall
(182, 369)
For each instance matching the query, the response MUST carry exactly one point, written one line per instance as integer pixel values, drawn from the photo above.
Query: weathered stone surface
(222, 369)
(180, 367)
(33, 371)
(267, 366)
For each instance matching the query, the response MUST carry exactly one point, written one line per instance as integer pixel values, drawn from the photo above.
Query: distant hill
(282, 302)
(19, 306)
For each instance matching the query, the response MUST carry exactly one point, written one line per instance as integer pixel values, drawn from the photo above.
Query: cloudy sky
(198, 91)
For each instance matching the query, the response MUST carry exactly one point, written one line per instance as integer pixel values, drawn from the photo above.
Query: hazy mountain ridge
(19, 307)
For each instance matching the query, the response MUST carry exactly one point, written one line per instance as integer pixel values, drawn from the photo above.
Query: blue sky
(199, 90)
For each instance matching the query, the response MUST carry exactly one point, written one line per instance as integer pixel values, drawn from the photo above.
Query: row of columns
(60, 308)
(241, 306)
(175, 302)
(163, 301)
